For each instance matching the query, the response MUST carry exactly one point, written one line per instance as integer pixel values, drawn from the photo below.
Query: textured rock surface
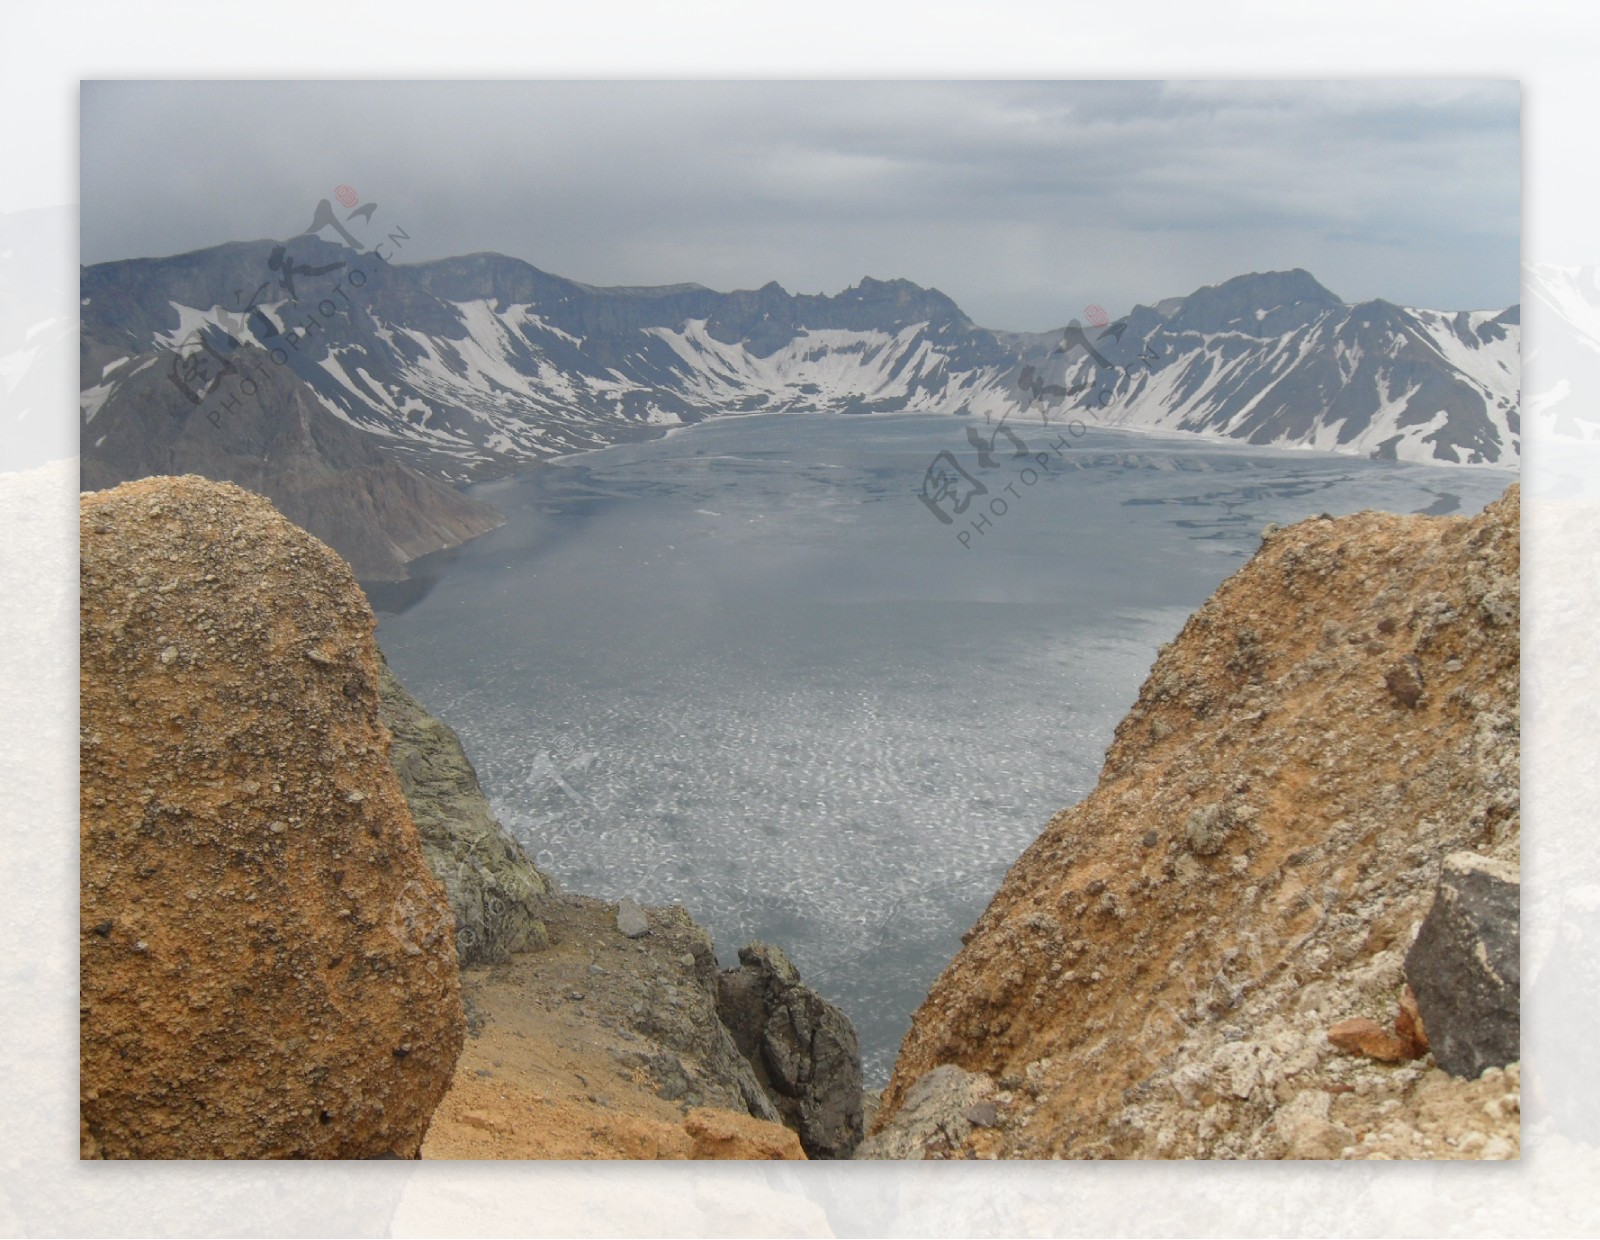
(631, 921)
(723, 1135)
(1361, 1035)
(1466, 966)
(803, 1049)
(267, 967)
(495, 891)
(1169, 998)
(603, 1046)
(675, 1007)
(937, 1116)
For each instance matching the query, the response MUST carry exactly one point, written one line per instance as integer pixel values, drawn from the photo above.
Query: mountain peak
(907, 300)
(1258, 303)
(1271, 289)
(515, 364)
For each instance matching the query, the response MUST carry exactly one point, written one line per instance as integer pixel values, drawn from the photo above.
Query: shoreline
(1024, 416)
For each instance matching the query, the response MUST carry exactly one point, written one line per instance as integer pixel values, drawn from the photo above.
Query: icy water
(747, 669)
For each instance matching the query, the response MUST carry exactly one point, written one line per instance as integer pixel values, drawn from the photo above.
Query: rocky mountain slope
(1214, 955)
(622, 1039)
(1285, 924)
(267, 967)
(1278, 359)
(475, 366)
(327, 477)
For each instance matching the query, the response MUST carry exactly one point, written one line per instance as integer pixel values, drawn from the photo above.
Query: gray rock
(936, 1117)
(802, 1048)
(631, 920)
(1465, 966)
(683, 1019)
(1207, 829)
(1404, 681)
(497, 894)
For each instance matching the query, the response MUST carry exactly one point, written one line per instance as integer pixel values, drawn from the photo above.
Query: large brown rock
(1158, 974)
(267, 966)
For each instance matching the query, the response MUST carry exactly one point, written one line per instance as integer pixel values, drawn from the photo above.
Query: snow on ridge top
(190, 320)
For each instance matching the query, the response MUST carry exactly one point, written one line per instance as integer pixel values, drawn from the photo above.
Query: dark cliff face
(497, 894)
(802, 1049)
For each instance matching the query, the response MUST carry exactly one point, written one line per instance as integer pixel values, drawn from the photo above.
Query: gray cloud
(1022, 200)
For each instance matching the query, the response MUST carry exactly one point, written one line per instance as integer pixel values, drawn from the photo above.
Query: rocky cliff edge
(1219, 952)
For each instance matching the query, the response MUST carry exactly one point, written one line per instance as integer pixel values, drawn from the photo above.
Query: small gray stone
(631, 920)
(1207, 828)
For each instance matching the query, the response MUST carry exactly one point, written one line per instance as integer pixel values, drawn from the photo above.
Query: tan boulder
(268, 969)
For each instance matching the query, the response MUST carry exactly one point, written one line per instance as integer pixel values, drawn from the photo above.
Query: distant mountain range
(278, 365)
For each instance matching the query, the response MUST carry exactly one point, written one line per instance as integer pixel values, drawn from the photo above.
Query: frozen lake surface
(747, 669)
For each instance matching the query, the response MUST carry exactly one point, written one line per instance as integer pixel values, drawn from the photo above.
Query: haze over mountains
(348, 388)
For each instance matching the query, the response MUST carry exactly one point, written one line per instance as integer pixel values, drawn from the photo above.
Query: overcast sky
(1023, 201)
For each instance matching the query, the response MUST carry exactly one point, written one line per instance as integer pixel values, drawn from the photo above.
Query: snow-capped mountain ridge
(473, 366)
